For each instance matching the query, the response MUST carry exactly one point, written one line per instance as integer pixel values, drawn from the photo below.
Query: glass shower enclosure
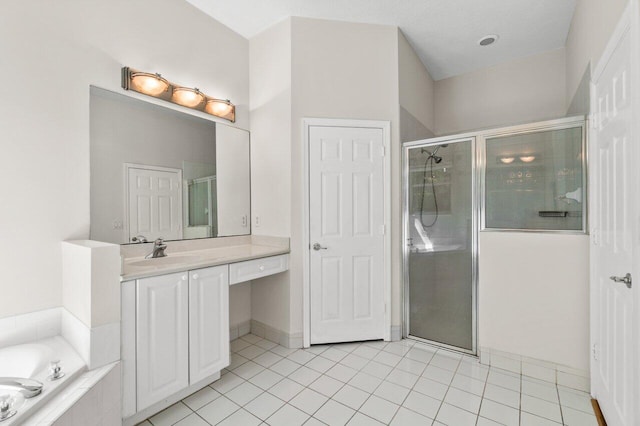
(440, 234)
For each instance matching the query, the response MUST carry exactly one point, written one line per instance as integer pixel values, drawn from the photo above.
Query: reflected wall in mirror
(160, 173)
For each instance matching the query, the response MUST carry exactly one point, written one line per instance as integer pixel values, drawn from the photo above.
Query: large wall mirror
(160, 173)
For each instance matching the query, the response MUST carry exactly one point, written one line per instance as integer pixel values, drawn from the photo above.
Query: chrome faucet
(158, 249)
(139, 239)
(27, 387)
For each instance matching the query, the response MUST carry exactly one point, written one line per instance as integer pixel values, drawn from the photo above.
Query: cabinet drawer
(252, 269)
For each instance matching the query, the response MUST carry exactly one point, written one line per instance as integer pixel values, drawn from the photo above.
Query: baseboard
(239, 330)
(288, 340)
(538, 369)
(396, 333)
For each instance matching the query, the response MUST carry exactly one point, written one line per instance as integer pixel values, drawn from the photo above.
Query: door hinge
(383, 229)
(383, 150)
(595, 351)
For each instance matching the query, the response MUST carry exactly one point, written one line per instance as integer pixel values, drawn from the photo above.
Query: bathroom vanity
(175, 315)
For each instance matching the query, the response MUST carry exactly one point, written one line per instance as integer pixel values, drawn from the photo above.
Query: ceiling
(444, 33)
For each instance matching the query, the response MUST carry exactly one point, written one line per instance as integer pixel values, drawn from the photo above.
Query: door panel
(346, 217)
(155, 200)
(612, 248)
(162, 337)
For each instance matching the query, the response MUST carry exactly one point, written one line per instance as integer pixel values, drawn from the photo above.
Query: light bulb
(187, 97)
(507, 160)
(149, 84)
(527, 158)
(218, 108)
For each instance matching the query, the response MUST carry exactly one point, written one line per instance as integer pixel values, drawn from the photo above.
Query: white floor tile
(301, 357)
(402, 378)
(379, 409)
(351, 396)
(285, 367)
(334, 354)
(575, 399)
(312, 421)
(365, 382)
(392, 392)
(341, 372)
(305, 376)
(266, 344)
(354, 361)
(216, 411)
(422, 404)
(282, 351)
(308, 401)
(288, 416)
(264, 406)
(317, 349)
(502, 378)
(505, 363)
(251, 338)
(387, 358)
(374, 368)
(227, 382)
(468, 384)
(446, 360)
(320, 364)
(346, 347)
(500, 413)
(502, 395)
(411, 366)
(397, 348)
(419, 353)
(248, 370)
(267, 359)
(360, 419)
(333, 413)
(541, 408)
(540, 389)
(236, 361)
(241, 417)
(572, 381)
(438, 374)
(326, 385)
(431, 388)
(454, 416)
(366, 352)
(250, 352)
(286, 389)
(377, 344)
(243, 393)
(192, 420)
(573, 417)
(527, 419)
(538, 372)
(486, 422)
(474, 370)
(171, 415)
(238, 345)
(201, 398)
(461, 399)
(265, 379)
(405, 417)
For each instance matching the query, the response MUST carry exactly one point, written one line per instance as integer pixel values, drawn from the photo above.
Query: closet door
(162, 337)
(208, 321)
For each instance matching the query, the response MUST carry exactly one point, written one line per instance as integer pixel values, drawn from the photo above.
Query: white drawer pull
(184, 278)
(195, 276)
(261, 267)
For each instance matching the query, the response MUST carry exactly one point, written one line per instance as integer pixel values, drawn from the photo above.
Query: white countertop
(184, 259)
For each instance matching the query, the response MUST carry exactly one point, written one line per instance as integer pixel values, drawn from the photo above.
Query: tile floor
(371, 383)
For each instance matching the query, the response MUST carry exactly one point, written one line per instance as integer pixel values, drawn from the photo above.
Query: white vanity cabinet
(181, 337)
(162, 344)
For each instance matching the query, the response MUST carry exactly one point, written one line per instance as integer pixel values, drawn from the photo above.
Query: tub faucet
(27, 387)
(158, 249)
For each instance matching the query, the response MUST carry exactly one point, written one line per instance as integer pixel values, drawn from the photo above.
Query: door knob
(317, 246)
(626, 279)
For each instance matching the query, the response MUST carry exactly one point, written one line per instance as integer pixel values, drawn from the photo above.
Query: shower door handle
(317, 246)
(626, 279)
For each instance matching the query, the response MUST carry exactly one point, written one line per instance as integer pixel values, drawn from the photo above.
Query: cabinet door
(208, 321)
(162, 337)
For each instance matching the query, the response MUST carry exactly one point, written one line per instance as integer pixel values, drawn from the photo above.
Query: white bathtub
(32, 361)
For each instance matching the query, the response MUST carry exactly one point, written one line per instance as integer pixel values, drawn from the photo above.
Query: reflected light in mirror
(507, 160)
(187, 97)
(150, 84)
(527, 158)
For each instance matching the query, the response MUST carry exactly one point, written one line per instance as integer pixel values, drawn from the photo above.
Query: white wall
(342, 70)
(270, 83)
(534, 296)
(416, 95)
(591, 27)
(52, 52)
(519, 91)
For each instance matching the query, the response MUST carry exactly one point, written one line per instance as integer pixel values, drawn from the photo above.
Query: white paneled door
(155, 203)
(614, 234)
(346, 234)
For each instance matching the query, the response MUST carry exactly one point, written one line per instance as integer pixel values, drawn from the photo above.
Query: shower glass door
(440, 251)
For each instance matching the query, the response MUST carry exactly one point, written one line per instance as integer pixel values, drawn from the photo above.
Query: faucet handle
(5, 408)
(159, 241)
(55, 370)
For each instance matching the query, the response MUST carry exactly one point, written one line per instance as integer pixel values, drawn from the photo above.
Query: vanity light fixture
(157, 86)
(507, 160)
(527, 158)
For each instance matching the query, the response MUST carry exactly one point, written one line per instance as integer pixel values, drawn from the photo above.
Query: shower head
(433, 155)
(436, 158)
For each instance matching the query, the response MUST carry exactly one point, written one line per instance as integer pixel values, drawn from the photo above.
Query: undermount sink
(166, 261)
